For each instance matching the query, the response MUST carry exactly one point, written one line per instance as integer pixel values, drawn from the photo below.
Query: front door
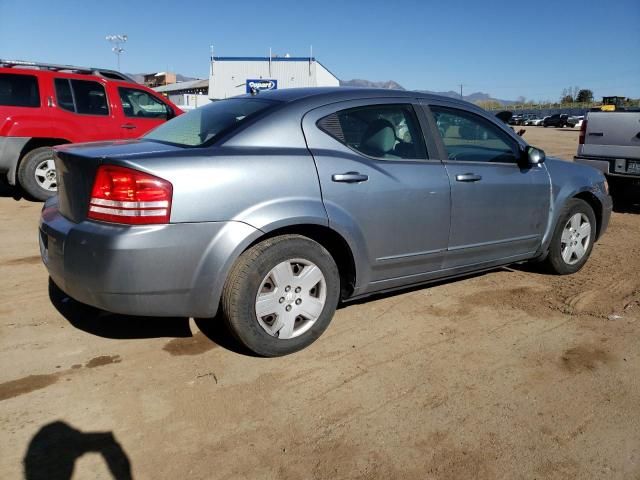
(499, 209)
(380, 187)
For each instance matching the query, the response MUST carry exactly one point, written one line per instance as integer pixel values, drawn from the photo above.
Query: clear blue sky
(532, 48)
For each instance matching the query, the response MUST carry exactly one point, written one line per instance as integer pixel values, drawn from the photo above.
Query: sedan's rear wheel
(573, 238)
(281, 295)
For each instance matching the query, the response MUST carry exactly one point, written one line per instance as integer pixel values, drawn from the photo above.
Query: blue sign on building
(261, 84)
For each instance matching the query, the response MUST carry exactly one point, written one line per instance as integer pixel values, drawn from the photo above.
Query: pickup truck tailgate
(612, 135)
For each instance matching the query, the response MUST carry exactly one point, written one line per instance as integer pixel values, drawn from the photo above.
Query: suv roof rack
(101, 72)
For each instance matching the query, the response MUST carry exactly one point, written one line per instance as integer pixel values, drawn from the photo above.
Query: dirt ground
(510, 374)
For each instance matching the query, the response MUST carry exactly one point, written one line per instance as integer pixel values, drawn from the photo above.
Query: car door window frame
(319, 113)
(508, 136)
(73, 96)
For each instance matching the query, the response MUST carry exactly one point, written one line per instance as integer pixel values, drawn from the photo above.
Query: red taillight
(124, 195)
(583, 132)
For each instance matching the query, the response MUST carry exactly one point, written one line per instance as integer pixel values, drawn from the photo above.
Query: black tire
(245, 279)
(27, 173)
(554, 261)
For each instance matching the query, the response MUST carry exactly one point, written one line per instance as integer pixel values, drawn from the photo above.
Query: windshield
(202, 125)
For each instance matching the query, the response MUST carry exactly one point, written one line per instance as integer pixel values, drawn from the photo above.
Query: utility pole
(461, 91)
(116, 41)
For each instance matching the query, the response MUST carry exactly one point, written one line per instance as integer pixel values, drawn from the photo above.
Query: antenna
(269, 61)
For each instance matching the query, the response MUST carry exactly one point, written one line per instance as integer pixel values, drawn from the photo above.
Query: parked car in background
(533, 121)
(610, 142)
(516, 119)
(575, 121)
(43, 105)
(276, 206)
(556, 120)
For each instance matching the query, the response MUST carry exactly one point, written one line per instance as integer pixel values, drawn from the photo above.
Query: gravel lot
(510, 374)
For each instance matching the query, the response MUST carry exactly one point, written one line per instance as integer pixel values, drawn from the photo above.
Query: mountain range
(393, 85)
(388, 84)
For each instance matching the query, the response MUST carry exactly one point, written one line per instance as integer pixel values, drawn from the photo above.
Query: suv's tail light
(583, 132)
(124, 195)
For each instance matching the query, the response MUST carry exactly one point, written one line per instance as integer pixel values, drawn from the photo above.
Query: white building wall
(228, 77)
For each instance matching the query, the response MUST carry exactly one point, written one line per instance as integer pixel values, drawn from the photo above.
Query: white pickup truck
(610, 142)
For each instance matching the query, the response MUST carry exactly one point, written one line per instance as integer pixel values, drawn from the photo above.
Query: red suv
(43, 105)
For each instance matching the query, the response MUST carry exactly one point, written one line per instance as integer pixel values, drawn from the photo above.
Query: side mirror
(535, 156)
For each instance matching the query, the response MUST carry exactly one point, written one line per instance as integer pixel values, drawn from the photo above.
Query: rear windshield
(19, 90)
(202, 125)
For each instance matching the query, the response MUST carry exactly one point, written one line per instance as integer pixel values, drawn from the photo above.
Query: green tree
(584, 95)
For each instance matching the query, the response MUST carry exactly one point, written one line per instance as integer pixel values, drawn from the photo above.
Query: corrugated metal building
(231, 76)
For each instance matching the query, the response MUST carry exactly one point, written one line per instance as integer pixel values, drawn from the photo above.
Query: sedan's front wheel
(281, 295)
(573, 238)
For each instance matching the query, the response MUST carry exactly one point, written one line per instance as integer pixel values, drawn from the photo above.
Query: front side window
(202, 125)
(389, 132)
(469, 137)
(19, 90)
(139, 104)
(81, 96)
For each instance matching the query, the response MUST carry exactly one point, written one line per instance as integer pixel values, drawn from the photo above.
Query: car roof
(331, 94)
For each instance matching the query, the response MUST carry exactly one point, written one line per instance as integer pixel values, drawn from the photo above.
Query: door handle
(468, 177)
(128, 126)
(349, 177)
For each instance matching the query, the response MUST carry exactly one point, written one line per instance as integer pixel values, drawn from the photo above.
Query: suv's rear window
(19, 90)
(202, 125)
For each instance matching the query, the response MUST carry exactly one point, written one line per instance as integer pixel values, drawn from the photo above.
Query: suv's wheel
(573, 238)
(37, 173)
(281, 295)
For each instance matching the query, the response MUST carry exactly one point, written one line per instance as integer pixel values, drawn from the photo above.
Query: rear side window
(139, 104)
(390, 132)
(19, 90)
(203, 125)
(81, 96)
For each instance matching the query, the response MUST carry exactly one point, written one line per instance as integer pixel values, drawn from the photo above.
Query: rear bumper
(158, 270)
(10, 148)
(615, 167)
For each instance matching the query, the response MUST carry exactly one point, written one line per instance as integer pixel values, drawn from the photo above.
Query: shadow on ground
(8, 191)
(53, 451)
(111, 325)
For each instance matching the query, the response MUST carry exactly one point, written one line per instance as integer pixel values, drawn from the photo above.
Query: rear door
(140, 111)
(381, 187)
(499, 209)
